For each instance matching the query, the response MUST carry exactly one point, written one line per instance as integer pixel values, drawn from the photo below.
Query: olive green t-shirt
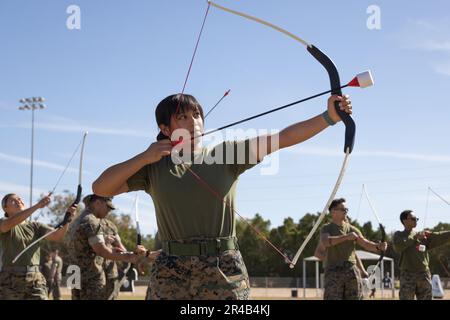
(411, 258)
(18, 238)
(344, 252)
(185, 207)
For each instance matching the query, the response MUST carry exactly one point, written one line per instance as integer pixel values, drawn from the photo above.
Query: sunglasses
(414, 219)
(345, 210)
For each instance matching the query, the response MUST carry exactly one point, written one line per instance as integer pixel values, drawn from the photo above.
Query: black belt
(200, 247)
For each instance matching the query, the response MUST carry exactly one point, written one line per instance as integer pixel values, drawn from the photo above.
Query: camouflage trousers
(343, 283)
(112, 289)
(222, 277)
(92, 288)
(415, 284)
(21, 286)
(104, 289)
(54, 289)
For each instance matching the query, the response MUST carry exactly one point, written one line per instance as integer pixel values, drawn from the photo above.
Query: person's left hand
(345, 104)
(382, 246)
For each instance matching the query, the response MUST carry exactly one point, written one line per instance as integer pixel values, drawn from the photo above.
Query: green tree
(253, 248)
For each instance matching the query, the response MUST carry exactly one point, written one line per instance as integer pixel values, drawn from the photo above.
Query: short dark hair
(5, 201)
(335, 203)
(173, 104)
(404, 215)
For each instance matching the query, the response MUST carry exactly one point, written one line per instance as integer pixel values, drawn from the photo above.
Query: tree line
(261, 259)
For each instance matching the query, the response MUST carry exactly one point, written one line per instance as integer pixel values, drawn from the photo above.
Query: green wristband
(328, 119)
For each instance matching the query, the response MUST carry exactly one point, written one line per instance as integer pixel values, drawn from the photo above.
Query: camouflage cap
(92, 197)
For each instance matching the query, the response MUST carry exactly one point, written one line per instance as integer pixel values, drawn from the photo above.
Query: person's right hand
(43, 202)
(157, 150)
(352, 236)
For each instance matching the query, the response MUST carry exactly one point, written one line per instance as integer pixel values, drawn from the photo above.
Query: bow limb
(67, 216)
(383, 232)
(324, 212)
(138, 229)
(335, 83)
(258, 20)
(350, 131)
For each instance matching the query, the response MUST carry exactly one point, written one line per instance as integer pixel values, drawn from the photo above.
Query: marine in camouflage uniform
(57, 276)
(339, 238)
(92, 249)
(195, 198)
(23, 279)
(413, 247)
(110, 266)
(47, 271)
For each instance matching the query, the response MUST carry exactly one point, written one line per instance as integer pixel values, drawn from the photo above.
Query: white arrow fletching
(365, 79)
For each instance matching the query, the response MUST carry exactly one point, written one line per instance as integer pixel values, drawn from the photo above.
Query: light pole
(32, 104)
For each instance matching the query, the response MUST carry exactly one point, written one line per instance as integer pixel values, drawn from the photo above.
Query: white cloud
(426, 35)
(39, 163)
(429, 36)
(74, 127)
(434, 45)
(22, 190)
(442, 68)
(56, 123)
(328, 152)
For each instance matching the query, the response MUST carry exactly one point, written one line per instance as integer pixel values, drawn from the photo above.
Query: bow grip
(67, 219)
(335, 83)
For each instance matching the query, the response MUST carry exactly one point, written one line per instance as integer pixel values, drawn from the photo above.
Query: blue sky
(108, 77)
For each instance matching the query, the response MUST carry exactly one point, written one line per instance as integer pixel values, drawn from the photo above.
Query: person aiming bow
(195, 200)
(22, 279)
